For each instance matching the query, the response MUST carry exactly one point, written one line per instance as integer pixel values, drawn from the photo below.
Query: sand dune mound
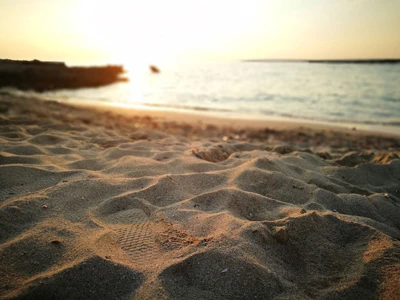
(94, 278)
(213, 275)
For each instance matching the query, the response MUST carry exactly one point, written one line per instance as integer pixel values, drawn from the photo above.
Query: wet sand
(100, 203)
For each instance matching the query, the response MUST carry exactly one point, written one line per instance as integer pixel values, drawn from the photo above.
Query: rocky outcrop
(43, 76)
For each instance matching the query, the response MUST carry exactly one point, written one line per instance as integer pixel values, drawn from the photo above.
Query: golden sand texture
(101, 205)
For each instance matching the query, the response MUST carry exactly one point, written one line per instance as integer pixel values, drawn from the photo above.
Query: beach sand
(112, 204)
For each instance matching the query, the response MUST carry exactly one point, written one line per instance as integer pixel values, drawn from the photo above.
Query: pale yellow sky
(151, 31)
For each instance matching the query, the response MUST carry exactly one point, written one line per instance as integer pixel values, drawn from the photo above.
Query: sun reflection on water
(134, 91)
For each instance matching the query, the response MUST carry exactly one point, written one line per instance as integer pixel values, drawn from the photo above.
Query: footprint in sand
(129, 218)
(138, 240)
(143, 234)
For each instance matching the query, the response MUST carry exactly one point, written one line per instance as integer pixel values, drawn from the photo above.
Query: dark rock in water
(44, 76)
(154, 69)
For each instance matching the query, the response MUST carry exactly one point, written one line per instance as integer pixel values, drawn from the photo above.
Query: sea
(365, 96)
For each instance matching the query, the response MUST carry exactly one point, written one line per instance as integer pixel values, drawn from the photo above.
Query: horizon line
(336, 60)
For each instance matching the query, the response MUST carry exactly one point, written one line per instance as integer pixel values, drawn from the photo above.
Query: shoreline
(234, 120)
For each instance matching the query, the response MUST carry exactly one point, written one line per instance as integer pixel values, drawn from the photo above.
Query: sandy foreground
(100, 204)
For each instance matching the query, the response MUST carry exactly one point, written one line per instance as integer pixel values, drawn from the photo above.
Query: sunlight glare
(146, 32)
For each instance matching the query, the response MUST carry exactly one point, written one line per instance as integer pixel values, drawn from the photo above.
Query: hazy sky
(96, 31)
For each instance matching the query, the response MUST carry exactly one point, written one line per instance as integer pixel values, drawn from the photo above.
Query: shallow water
(367, 95)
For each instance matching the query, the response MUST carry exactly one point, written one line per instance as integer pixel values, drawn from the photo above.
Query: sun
(132, 32)
(153, 31)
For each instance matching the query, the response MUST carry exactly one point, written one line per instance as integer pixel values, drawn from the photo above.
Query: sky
(152, 31)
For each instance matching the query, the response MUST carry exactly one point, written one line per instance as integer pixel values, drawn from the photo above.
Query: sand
(101, 204)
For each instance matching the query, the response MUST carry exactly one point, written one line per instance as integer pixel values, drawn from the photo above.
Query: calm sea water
(365, 95)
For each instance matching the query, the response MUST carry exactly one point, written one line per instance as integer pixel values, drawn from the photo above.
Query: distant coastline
(332, 61)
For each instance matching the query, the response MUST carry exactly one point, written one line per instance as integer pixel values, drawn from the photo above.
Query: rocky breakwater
(43, 76)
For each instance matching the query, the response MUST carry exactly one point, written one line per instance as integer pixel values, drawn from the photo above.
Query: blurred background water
(365, 95)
